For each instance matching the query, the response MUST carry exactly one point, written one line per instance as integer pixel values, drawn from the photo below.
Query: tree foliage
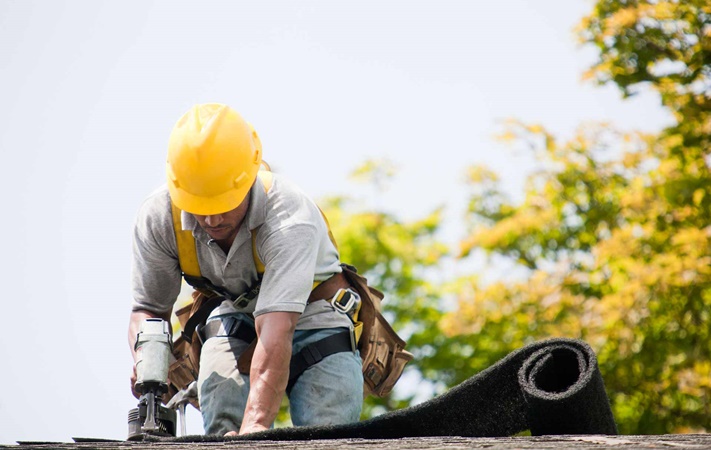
(396, 256)
(614, 229)
(610, 243)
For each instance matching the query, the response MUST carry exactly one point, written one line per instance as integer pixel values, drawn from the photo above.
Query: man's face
(224, 227)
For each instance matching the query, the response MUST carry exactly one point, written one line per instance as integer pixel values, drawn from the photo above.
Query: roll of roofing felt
(562, 382)
(548, 387)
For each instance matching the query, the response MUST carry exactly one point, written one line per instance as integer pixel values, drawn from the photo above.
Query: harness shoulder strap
(187, 253)
(266, 177)
(328, 227)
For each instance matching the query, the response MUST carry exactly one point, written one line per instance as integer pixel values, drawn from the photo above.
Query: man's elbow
(276, 325)
(140, 314)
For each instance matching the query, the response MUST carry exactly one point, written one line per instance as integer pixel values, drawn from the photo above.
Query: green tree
(612, 238)
(398, 257)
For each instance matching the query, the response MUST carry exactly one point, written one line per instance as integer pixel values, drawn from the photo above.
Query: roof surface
(694, 441)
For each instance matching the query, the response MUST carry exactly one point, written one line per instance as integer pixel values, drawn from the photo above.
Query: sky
(90, 91)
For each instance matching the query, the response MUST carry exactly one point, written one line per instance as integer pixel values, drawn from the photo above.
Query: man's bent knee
(222, 390)
(329, 393)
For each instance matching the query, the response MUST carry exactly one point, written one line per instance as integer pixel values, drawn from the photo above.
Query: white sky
(89, 91)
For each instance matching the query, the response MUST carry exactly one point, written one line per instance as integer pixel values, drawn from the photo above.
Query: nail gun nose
(149, 426)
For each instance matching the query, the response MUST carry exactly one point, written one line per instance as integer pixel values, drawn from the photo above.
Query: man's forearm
(268, 378)
(269, 372)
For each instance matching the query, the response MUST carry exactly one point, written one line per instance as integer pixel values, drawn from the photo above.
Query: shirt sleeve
(156, 275)
(289, 256)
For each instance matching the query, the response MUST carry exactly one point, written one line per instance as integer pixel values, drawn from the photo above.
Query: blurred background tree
(400, 258)
(610, 243)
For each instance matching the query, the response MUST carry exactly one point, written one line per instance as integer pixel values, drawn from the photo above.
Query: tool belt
(381, 349)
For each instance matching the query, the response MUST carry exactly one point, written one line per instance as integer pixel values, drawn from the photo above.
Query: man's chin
(219, 234)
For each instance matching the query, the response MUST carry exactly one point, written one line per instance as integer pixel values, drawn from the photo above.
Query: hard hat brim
(208, 206)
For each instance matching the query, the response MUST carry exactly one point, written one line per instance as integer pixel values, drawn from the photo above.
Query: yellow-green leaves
(612, 239)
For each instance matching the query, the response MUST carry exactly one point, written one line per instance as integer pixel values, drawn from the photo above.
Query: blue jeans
(327, 393)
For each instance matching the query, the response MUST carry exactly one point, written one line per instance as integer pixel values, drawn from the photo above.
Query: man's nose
(213, 221)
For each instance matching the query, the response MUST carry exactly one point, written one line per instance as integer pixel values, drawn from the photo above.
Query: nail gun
(153, 351)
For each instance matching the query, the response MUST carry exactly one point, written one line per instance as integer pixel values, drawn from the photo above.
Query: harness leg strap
(315, 352)
(227, 327)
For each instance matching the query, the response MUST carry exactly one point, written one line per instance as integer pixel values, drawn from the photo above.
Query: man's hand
(269, 372)
(253, 429)
(134, 376)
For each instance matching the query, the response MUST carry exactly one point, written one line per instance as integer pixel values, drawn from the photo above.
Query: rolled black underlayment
(549, 387)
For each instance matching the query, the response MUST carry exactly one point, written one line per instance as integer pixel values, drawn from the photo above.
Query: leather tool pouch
(381, 349)
(184, 369)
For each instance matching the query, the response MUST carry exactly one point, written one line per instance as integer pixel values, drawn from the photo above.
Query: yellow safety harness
(382, 351)
(190, 268)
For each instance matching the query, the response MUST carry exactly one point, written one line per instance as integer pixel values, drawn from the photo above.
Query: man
(237, 217)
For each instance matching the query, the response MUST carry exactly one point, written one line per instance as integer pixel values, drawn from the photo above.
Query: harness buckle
(345, 300)
(246, 298)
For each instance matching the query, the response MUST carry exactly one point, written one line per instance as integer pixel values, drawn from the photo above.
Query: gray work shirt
(292, 241)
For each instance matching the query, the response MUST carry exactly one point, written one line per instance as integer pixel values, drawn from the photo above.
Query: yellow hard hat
(213, 159)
